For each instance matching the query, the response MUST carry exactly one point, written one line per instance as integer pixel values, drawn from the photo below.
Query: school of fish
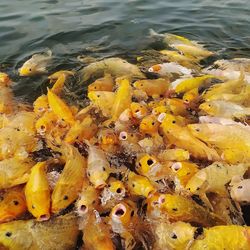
(156, 159)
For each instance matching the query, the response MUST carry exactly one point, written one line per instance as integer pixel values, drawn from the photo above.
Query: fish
(96, 234)
(46, 122)
(181, 208)
(173, 236)
(223, 237)
(6, 101)
(169, 68)
(115, 66)
(191, 83)
(183, 138)
(153, 87)
(98, 167)
(175, 56)
(12, 204)
(23, 121)
(234, 64)
(103, 100)
(70, 181)
(59, 78)
(41, 104)
(191, 96)
(138, 110)
(14, 171)
(87, 201)
(5, 80)
(184, 172)
(139, 185)
(175, 154)
(60, 108)
(36, 65)
(16, 143)
(81, 130)
(58, 233)
(231, 140)
(239, 188)
(214, 177)
(105, 83)
(149, 125)
(122, 99)
(184, 45)
(37, 192)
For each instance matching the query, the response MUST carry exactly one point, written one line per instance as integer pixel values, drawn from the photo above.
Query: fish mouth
(119, 211)
(43, 217)
(82, 209)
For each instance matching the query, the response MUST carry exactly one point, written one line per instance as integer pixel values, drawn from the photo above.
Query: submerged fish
(114, 66)
(36, 64)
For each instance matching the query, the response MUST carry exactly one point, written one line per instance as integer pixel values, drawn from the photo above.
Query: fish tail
(49, 52)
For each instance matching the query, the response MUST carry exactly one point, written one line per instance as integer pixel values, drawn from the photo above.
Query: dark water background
(112, 27)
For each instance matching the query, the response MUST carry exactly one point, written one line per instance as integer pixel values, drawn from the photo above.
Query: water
(112, 27)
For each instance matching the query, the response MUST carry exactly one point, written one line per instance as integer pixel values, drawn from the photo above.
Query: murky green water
(113, 27)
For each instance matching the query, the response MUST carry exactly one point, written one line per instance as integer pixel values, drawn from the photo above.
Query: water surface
(113, 27)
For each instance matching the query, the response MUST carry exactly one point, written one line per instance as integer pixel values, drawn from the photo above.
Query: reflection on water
(114, 27)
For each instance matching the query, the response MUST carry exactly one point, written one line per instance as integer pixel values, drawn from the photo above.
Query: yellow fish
(57, 234)
(71, 180)
(139, 185)
(41, 104)
(105, 83)
(98, 167)
(12, 204)
(103, 100)
(14, 171)
(183, 138)
(37, 192)
(122, 99)
(175, 154)
(153, 87)
(36, 64)
(191, 83)
(96, 234)
(60, 108)
(5, 80)
(59, 79)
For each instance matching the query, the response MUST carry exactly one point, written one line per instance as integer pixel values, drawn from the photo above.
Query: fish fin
(48, 52)
(153, 33)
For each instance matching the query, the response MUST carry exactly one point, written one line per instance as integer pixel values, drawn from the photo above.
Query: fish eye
(132, 213)
(15, 203)
(153, 123)
(197, 129)
(173, 121)
(98, 96)
(65, 197)
(30, 69)
(209, 105)
(104, 169)
(141, 84)
(118, 190)
(137, 111)
(173, 236)
(8, 234)
(150, 162)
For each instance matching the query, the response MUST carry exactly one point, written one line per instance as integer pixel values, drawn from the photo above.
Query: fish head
(146, 164)
(149, 124)
(12, 204)
(138, 110)
(155, 68)
(190, 96)
(195, 184)
(108, 137)
(122, 213)
(41, 104)
(199, 131)
(28, 69)
(4, 79)
(116, 186)
(160, 109)
(139, 185)
(98, 177)
(87, 200)
(208, 107)
(13, 235)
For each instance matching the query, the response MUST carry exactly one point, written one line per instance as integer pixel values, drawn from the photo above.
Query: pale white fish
(37, 64)
(228, 73)
(168, 68)
(239, 190)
